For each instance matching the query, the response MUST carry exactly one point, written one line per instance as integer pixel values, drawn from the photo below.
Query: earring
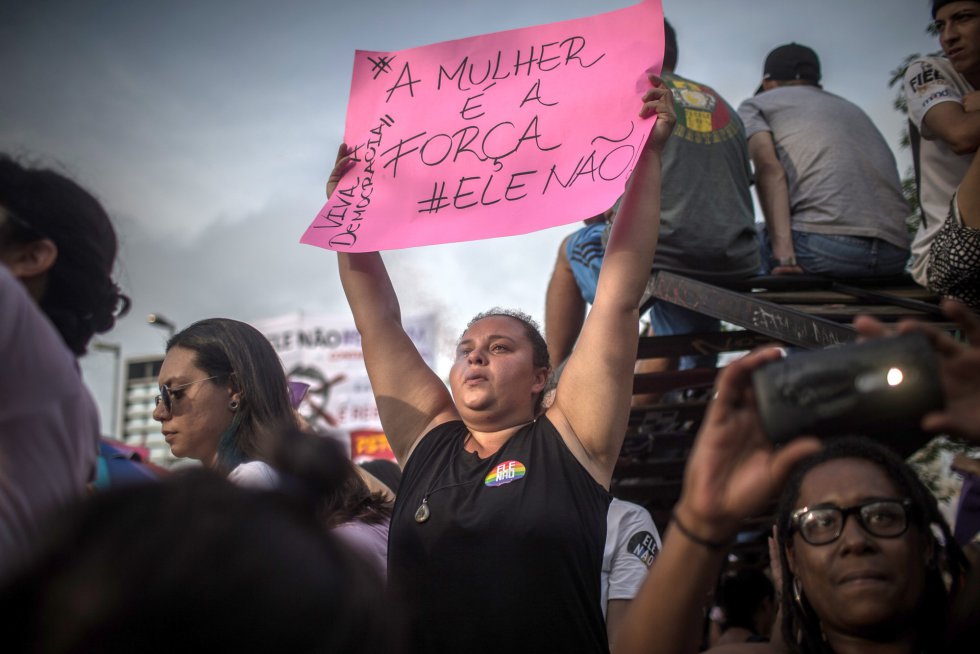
(233, 405)
(798, 594)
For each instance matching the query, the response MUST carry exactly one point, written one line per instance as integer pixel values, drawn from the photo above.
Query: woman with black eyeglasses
(57, 251)
(862, 568)
(859, 552)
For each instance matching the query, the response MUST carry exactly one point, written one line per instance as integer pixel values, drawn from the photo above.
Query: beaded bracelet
(694, 538)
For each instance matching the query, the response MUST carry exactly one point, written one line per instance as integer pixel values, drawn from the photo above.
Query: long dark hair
(354, 501)
(238, 354)
(801, 626)
(80, 297)
(304, 460)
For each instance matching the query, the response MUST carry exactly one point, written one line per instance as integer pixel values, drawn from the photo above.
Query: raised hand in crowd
(732, 473)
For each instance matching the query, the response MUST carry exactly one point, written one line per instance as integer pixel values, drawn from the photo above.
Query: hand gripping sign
(494, 135)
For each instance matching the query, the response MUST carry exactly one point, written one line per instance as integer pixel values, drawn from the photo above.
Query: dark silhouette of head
(743, 596)
(194, 563)
(77, 292)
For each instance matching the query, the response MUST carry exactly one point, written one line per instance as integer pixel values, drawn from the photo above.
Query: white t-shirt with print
(928, 82)
(632, 543)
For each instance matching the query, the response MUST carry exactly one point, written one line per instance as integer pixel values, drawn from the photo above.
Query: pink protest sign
(493, 135)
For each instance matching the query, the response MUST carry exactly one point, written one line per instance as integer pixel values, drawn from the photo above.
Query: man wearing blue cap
(944, 112)
(825, 177)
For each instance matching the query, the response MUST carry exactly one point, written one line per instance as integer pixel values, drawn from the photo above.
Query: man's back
(707, 220)
(840, 173)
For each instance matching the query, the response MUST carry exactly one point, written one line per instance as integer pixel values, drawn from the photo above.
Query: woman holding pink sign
(500, 518)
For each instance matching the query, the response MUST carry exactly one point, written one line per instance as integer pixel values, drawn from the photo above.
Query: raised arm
(410, 396)
(591, 407)
(732, 473)
(564, 309)
(968, 195)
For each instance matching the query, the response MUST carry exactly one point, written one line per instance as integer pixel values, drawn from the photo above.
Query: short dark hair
(80, 298)
(539, 347)
(239, 354)
(801, 626)
(670, 47)
(244, 570)
(939, 4)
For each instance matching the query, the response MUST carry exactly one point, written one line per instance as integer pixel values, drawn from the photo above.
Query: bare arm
(968, 195)
(615, 612)
(591, 406)
(770, 185)
(410, 396)
(957, 124)
(732, 473)
(564, 309)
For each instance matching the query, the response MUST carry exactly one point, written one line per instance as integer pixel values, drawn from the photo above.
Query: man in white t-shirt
(944, 110)
(632, 544)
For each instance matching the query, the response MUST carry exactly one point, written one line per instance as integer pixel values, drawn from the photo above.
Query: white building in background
(139, 392)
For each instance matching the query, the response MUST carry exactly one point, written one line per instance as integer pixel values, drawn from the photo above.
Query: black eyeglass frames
(823, 524)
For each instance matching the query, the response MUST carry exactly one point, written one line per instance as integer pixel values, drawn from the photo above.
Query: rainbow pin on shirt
(505, 473)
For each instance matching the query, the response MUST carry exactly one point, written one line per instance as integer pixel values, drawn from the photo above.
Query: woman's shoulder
(433, 443)
(359, 530)
(440, 434)
(255, 474)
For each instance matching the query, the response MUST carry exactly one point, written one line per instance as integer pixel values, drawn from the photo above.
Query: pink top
(368, 540)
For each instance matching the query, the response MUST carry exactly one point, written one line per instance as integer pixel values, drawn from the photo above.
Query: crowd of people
(500, 531)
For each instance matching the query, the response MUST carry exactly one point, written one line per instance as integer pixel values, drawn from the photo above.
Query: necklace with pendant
(423, 513)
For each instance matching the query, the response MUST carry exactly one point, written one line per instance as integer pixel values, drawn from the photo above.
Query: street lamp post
(116, 351)
(157, 320)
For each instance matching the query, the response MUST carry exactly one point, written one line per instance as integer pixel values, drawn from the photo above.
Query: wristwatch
(789, 261)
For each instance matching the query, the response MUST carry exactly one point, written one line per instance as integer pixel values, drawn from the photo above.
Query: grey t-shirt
(706, 224)
(841, 175)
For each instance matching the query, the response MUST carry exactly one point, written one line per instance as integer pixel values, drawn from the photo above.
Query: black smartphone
(880, 388)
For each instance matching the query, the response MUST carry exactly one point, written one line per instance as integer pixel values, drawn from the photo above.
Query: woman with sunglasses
(224, 400)
(57, 251)
(861, 568)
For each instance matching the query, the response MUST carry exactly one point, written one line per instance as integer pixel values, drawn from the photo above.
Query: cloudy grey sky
(207, 127)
